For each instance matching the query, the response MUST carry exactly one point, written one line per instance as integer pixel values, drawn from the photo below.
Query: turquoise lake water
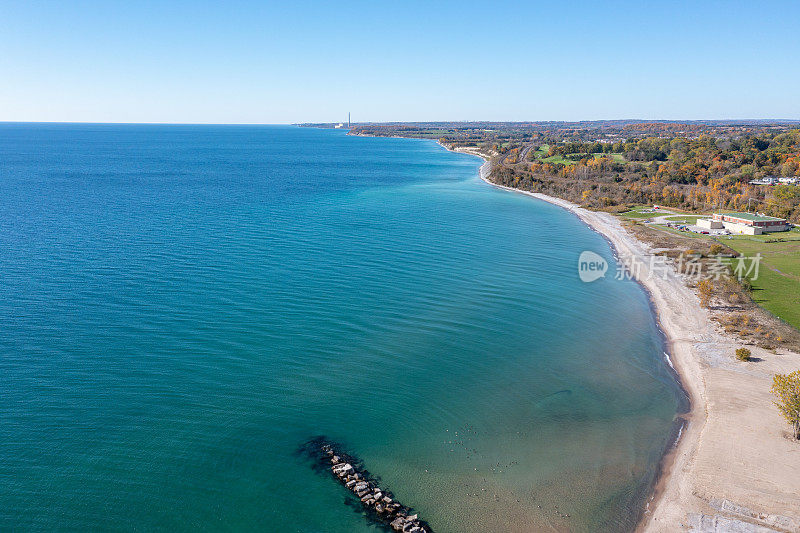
(181, 307)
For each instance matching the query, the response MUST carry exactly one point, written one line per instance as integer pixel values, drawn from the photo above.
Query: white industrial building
(744, 223)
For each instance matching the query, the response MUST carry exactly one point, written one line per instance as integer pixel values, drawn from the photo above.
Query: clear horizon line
(154, 123)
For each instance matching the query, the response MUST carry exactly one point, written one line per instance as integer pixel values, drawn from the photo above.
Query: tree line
(700, 173)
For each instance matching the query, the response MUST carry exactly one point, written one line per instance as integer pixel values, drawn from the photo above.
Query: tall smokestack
(348, 119)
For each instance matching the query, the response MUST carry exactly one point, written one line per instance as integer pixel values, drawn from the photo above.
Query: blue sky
(298, 61)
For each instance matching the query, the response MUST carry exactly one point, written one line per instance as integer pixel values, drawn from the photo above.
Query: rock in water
(378, 502)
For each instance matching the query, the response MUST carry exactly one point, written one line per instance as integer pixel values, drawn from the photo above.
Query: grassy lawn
(558, 159)
(636, 212)
(791, 235)
(689, 219)
(777, 287)
(619, 158)
(541, 155)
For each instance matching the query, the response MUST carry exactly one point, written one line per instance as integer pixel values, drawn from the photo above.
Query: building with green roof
(746, 223)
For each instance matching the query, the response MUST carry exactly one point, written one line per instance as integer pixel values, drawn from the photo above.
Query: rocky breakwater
(378, 502)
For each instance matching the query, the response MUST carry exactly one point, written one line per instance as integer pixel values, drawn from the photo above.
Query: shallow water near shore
(183, 306)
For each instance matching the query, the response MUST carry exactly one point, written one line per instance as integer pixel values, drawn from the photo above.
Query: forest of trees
(699, 173)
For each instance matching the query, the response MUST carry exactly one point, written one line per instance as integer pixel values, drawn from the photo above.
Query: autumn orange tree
(787, 388)
(705, 288)
(711, 171)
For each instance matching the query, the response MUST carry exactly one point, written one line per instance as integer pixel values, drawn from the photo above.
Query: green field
(688, 219)
(619, 158)
(541, 155)
(558, 159)
(636, 212)
(777, 287)
(791, 235)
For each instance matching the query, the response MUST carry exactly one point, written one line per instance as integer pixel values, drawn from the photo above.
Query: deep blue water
(181, 307)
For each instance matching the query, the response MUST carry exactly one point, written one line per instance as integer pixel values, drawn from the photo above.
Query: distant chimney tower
(348, 119)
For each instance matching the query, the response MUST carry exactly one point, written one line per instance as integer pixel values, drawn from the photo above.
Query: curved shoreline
(733, 465)
(683, 432)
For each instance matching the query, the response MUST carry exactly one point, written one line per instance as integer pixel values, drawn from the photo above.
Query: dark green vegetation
(777, 287)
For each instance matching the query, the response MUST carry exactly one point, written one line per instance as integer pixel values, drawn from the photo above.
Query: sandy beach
(735, 466)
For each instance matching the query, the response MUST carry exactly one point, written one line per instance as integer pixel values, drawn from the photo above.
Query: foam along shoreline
(732, 465)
